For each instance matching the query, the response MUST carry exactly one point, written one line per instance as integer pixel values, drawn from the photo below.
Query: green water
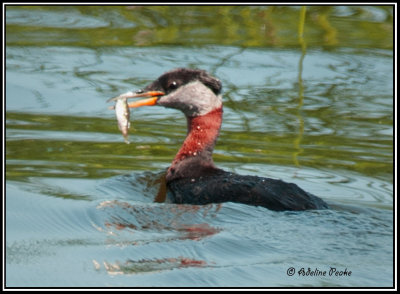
(317, 111)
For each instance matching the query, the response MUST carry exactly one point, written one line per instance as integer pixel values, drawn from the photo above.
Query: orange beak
(144, 102)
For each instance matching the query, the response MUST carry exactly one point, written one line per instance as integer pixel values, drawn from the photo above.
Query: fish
(122, 112)
(122, 108)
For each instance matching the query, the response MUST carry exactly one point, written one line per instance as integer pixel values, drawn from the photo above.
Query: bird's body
(221, 186)
(192, 177)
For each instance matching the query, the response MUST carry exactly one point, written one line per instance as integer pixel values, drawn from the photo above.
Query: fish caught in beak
(150, 101)
(122, 107)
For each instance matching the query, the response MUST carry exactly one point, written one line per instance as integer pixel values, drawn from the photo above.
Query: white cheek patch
(193, 99)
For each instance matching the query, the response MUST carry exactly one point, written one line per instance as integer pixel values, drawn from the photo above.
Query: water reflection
(242, 26)
(140, 225)
(303, 44)
(80, 205)
(148, 266)
(124, 233)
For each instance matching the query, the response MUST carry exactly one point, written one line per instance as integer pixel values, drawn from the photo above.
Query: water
(80, 208)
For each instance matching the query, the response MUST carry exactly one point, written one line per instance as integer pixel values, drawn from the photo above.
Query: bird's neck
(194, 158)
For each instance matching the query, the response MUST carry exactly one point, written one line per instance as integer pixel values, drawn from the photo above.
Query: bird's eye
(173, 85)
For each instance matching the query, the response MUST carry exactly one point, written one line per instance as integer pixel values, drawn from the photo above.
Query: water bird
(193, 177)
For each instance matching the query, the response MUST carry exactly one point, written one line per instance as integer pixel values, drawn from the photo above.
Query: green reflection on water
(59, 150)
(37, 142)
(243, 26)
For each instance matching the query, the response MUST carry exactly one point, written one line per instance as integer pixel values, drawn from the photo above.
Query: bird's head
(193, 91)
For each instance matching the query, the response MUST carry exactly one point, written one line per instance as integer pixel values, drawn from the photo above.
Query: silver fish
(122, 108)
(122, 113)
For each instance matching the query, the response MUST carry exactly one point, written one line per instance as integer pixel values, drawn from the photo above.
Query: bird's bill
(144, 102)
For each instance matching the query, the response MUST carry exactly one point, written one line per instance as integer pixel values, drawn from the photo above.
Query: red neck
(195, 154)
